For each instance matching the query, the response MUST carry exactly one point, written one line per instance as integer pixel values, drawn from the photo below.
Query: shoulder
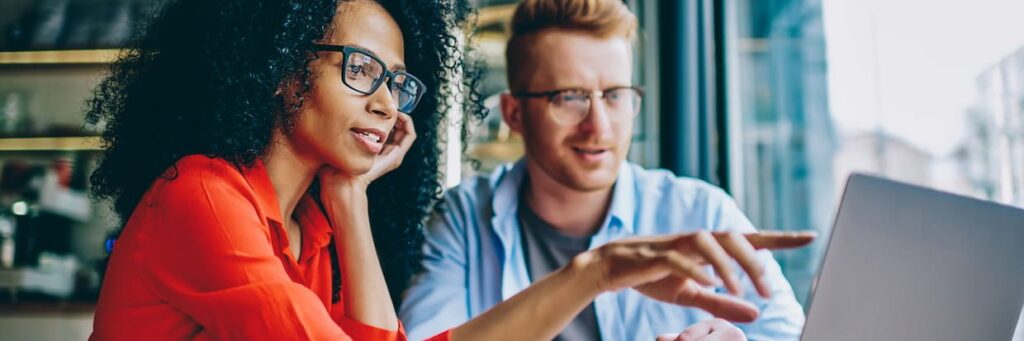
(200, 186)
(677, 188)
(680, 204)
(476, 190)
(191, 174)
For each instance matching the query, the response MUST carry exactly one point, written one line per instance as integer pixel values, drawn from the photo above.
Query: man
(570, 75)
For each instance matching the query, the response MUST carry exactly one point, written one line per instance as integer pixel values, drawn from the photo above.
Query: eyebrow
(397, 67)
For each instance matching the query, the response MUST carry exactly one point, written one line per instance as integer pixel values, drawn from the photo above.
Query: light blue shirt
(473, 256)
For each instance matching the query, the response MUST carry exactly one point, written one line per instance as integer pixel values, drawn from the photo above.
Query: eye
(613, 95)
(356, 70)
(574, 96)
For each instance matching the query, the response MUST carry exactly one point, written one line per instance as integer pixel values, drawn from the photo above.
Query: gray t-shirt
(547, 250)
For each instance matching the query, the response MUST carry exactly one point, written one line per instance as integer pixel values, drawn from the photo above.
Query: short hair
(600, 18)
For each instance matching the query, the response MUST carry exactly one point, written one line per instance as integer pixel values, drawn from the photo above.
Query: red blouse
(205, 256)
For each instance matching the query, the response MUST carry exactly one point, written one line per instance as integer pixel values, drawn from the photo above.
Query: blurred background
(777, 101)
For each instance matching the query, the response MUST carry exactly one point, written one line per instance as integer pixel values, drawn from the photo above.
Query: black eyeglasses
(363, 72)
(571, 106)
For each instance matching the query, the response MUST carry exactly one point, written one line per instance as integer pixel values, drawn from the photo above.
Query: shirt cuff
(361, 331)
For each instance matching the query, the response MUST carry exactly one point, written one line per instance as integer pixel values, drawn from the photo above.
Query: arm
(364, 290)
(540, 311)
(436, 299)
(666, 268)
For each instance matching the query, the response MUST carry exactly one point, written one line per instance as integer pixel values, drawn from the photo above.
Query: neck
(289, 174)
(570, 211)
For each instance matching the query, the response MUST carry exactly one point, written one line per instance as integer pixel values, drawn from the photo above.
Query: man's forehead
(552, 38)
(569, 57)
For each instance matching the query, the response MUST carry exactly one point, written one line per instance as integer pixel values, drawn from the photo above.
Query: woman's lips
(372, 140)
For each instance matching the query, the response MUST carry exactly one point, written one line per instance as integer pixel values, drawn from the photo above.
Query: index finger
(408, 129)
(774, 240)
(403, 134)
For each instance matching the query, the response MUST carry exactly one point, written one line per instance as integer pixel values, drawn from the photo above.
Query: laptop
(910, 263)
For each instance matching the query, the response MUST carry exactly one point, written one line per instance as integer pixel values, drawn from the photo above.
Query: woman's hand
(708, 330)
(364, 290)
(395, 147)
(671, 268)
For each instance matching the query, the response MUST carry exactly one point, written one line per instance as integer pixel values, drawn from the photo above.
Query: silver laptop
(909, 263)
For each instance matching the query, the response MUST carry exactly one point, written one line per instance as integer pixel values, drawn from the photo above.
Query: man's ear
(512, 112)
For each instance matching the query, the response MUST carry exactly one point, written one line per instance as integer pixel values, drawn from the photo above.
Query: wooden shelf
(50, 143)
(57, 308)
(495, 14)
(497, 151)
(69, 57)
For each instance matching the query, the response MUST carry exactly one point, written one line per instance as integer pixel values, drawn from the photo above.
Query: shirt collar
(623, 206)
(316, 229)
(508, 180)
(266, 196)
(506, 183)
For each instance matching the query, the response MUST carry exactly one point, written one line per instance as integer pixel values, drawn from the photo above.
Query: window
(919, 91)
(780, 128)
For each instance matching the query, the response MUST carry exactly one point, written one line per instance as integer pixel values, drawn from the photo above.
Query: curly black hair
(200, 78)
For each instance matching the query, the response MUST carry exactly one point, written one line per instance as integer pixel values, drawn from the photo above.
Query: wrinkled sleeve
(437, 298)
(211, 257)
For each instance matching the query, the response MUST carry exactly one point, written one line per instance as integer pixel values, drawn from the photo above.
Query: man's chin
(589, 181)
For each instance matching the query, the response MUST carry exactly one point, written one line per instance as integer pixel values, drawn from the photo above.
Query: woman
(247, 144)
